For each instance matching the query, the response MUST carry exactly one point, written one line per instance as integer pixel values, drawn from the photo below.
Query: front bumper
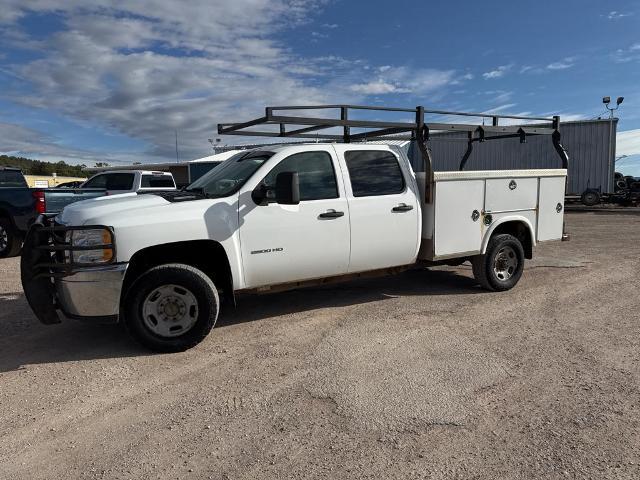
(90, 292)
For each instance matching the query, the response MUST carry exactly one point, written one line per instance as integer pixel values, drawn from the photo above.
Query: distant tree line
(38, 167)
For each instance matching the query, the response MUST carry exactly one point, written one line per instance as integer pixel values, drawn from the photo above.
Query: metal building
(588, 143)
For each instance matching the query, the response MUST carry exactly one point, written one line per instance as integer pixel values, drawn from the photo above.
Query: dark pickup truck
(20, 205)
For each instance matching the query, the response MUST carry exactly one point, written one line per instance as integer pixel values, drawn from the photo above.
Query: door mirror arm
(285, 192)
(287, 188)
(260, 195)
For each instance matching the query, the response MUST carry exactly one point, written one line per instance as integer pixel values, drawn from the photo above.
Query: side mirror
(260, 194)
(288, 188)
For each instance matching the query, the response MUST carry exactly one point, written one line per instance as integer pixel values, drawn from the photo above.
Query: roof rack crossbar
(375, 129)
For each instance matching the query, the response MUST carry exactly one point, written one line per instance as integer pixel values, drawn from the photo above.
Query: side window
(374, 173)
(99, 181)
(120, 181)
(315, 171)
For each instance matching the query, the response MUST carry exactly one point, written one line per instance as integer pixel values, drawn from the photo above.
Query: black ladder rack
(304, 126)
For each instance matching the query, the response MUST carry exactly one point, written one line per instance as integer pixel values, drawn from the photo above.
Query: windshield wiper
(196, 190)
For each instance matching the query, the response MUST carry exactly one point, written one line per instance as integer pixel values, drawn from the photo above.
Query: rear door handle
(402, 208)
(331, 214)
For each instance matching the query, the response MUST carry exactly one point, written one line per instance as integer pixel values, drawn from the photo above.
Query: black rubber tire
(483, 264)
(189, 277)
(590, 198)
(14, 239)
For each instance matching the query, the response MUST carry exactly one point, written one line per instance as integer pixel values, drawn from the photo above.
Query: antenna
(177, 160)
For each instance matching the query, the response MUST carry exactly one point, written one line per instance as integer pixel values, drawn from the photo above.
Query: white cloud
(330, 26)
(377, 87)
(405, 80)
(497, 72)
(628, 143)
(145, 68)
(22, 141)
(500, 108)
(625, 55)
(561, 65)
(499, 96)
(614, 15)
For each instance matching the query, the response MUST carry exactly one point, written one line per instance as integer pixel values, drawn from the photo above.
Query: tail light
(41, 204)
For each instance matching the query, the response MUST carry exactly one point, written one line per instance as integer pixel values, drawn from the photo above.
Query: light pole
(215, 145)
(607, 101)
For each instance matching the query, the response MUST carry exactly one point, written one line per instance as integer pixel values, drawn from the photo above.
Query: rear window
(12, 178)
(157, 181)
(111, 181)
(373, 173)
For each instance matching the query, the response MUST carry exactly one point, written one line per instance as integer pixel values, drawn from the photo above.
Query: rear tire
(10, 239)
(501, 267)
(171, 308)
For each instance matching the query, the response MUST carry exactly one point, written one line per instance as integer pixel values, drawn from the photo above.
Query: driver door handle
(402, 208)
(331, 214)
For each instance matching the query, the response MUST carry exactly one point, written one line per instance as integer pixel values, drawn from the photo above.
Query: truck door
(383, 208)
(286, 243)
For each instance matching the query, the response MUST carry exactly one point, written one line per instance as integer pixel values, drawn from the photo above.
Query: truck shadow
(411, 283)
(24, 341)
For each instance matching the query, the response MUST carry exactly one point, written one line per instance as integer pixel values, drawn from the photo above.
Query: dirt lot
(418, 376)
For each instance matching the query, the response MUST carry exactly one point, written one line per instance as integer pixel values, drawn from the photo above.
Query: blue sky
(113, 81)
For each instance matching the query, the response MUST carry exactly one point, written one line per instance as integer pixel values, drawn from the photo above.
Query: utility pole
(177, 160)
(607, 101)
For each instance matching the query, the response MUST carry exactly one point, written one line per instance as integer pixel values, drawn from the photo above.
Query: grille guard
(43, 260)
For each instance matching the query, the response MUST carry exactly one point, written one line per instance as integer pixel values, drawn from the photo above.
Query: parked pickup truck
(117, 182)
(20, 205)
(288, 216)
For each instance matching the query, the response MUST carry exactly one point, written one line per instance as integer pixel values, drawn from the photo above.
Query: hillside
(37, 167)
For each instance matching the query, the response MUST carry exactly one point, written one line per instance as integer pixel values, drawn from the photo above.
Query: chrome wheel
(170, 310)
(505, 263)
(4, 239)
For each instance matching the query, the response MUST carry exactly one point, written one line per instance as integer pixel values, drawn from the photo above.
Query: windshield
(228, 177)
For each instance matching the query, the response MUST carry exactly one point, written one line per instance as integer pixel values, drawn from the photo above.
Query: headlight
(83, 240)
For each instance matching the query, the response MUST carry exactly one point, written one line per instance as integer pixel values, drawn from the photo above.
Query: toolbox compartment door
(457, 230)
(551, 208)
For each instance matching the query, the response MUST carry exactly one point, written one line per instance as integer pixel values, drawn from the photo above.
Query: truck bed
(466, 206)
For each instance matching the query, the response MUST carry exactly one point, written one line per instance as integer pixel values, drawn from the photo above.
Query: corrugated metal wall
(587, 142)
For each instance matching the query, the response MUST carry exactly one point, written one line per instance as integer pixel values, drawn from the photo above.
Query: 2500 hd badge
(268, 250)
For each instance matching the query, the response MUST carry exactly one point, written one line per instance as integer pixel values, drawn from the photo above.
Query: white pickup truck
(284, 217)
(117, 182)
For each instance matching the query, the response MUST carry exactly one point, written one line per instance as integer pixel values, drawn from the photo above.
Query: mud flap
(37, 285)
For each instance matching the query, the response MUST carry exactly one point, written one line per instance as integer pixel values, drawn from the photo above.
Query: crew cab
(117, 182)
(280, 217)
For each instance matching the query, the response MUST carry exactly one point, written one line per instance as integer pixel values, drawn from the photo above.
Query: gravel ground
(422, 375)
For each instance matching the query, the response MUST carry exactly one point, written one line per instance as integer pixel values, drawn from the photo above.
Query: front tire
(171, 308)
(501, 267)
(10, 240)
(590, 198)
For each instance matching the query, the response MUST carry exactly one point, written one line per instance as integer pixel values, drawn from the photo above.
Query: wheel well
(206, 255)
(519, 230)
